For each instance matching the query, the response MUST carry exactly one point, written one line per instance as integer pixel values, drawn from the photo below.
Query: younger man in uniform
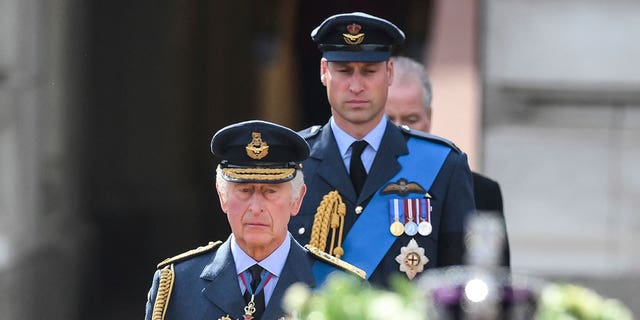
(385, 199)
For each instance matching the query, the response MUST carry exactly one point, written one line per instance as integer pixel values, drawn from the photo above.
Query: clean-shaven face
(405, 104)
(357, 91)
(258, 214)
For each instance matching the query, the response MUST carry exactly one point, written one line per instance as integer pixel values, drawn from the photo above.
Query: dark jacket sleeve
(458, 205)
(151, 296)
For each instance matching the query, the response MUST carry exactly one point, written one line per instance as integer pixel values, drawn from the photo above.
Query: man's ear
(323, 71)
(295, 206)
(390, 71)
(223, 202)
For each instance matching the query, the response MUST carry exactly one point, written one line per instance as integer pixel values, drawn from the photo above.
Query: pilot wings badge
(403, 187)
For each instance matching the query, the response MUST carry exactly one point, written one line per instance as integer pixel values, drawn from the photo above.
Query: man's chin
(258, 240)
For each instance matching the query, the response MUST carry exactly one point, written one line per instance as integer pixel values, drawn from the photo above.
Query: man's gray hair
(405, 67)
(296, 184)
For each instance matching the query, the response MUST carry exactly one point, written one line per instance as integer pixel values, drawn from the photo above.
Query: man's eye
(411, 120)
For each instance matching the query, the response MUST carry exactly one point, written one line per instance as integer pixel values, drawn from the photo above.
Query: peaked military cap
(357, 37)
(259, 152)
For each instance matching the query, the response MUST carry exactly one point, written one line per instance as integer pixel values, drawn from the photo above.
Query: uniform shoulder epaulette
(310, 132)
(430, 137)
(336, 262)
(191, 253)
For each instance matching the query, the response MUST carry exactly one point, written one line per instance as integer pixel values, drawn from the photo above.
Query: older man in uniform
(388, 200)
(260, 187)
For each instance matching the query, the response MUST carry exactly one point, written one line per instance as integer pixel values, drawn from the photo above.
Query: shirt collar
(344, 140)
(274, 263)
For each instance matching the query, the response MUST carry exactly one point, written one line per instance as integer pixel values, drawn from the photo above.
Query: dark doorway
(161, 78)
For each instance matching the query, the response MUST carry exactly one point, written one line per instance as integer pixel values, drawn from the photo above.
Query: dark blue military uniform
(410, 169)
(451, 192)
(206, 285)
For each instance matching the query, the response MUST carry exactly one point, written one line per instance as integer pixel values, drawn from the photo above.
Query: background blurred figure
(409, 103)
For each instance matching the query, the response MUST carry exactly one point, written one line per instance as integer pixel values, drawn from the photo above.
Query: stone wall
(561, 135)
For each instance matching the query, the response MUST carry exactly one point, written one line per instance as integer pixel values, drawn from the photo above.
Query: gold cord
(164, 293)
(329, 215)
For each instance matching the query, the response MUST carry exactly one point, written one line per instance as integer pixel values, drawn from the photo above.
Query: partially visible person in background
(260, 185)
(409, 103)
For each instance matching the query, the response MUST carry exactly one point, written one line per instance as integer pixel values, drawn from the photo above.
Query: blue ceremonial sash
(369, 239)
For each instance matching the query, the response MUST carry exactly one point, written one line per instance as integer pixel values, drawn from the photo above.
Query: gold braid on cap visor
(262, 174)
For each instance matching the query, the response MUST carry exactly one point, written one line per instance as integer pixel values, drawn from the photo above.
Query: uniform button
(301, 230)
(358, 209)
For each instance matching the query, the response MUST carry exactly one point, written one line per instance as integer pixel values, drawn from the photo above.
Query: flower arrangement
(349, 298)
(345, 297)
(569, 301)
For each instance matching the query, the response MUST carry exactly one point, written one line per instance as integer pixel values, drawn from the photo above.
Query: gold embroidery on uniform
(340, 263)
(353, 37)
(265, 174)
(257, 149)
(199, 250)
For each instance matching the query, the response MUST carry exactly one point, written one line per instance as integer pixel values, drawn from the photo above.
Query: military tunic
(206, 285)
(451, 195)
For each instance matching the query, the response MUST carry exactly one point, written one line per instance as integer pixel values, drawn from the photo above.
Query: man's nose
(356, 83)
(256, 202)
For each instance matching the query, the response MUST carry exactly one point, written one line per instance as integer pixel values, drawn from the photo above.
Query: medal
(396, 228)
(250, 308)
(412, 259)
(425, 228)
(410, 228)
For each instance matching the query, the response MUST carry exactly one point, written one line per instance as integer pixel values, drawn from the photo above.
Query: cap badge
(353, 37)
(257, 149)
(412, 259)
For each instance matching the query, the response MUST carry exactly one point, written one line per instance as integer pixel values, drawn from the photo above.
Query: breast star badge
(412, 259)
